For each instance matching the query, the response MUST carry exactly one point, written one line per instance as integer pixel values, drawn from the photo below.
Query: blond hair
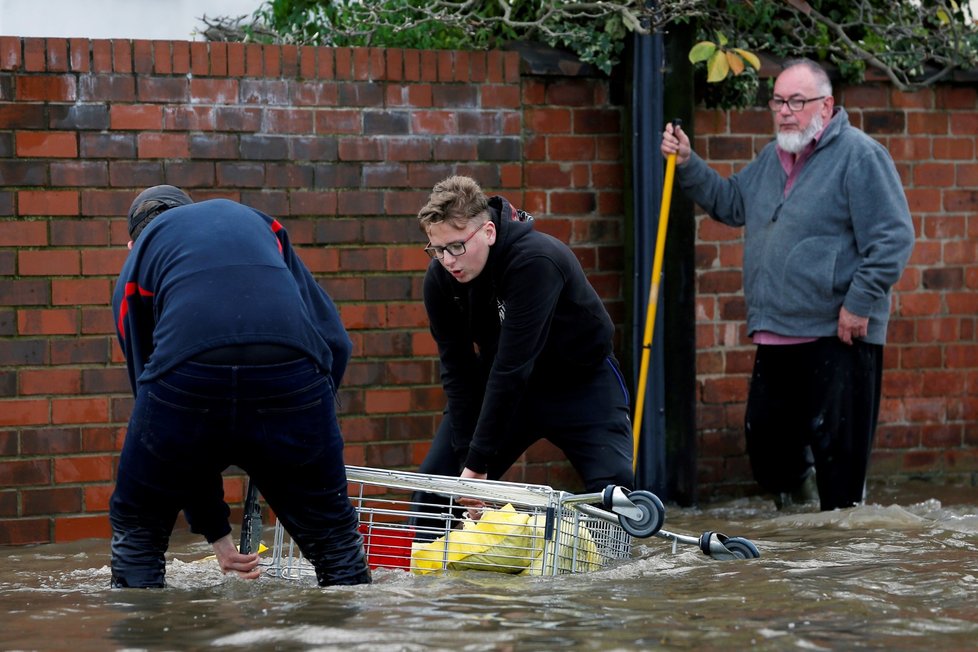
(457, 200)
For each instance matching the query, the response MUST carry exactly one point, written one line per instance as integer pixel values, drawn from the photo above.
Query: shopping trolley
(429, 523)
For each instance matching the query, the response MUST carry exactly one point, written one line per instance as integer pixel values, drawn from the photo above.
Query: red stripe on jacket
(276, 227)
(132, 289)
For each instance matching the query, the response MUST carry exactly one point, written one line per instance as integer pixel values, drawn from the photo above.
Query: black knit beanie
(151, 202)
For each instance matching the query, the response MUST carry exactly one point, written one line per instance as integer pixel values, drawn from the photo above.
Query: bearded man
(827, 234)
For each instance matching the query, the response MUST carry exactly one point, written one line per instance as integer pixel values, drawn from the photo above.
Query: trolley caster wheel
(720, 546)
(653, 515)
(742, 548)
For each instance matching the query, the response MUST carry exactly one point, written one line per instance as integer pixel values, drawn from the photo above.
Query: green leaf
(702, 51)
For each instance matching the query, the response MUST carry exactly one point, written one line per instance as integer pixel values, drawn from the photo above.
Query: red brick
(78, 173)
(960, 200)
(289, 121)
(570, 148)
(97, 440)
(933, 174)
(218, 59)
(49, 441)
(112, 203)
(953, 148)
(79, 410)
(911, 149)
(101, 56)
(963, 303)
(924, 200)
(548, 120)
(61, 500)
(955, 97)
(142, 54)
(571, 203)
(307, 62)
(8, 506)
(23, 234)
(10, 52)
(25, 473)
(79, 55)
(47, 322)
(34, 55)
(21, 531)
(121, 55)
(724, 390)
(214, 91)
(926, 122)
(82, 527)
(427, 67)
(49, 88)
(570, 93)
(199, 59)
(163, 145)
(966, 174)
(162, 63)
(961, 252)
(962, 356)
(961, 460)
(495, 67)
(68, 470)
(136, 117)
(97, 497)
(69, 292)
(97, 320)
(180, 57)
(154, 90)
(57, 55)
(876, 96)
(500, 97)
(47, 202)
(511, 67)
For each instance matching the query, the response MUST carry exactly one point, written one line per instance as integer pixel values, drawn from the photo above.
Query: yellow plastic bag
(500, 541)
(581, 558)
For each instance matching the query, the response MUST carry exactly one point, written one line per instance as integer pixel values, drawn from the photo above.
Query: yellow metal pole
(660, 246)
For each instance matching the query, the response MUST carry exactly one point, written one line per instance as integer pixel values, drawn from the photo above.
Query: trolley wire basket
(429, 523)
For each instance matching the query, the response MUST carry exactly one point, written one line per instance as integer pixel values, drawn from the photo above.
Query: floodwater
(899, 573)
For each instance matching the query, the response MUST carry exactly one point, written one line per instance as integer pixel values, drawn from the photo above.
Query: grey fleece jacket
(841, 237)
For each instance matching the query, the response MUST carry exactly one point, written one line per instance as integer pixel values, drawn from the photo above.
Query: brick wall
(929, 412)
(341, 145)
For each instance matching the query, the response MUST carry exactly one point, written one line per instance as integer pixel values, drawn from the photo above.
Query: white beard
(794, 141)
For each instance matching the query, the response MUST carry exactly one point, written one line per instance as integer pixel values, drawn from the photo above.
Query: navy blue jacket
(217, 273)
(530, 319)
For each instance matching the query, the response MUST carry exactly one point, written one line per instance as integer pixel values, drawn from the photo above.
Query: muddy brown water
(899, 573)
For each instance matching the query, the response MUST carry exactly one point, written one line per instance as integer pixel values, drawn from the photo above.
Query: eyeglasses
(794, 103)
(454, 248)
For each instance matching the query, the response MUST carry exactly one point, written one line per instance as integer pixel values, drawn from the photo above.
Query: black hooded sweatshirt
(530, 320)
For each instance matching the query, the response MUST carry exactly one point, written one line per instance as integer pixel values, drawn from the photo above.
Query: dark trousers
(277, 422)
(814, 404)
(588, 421)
